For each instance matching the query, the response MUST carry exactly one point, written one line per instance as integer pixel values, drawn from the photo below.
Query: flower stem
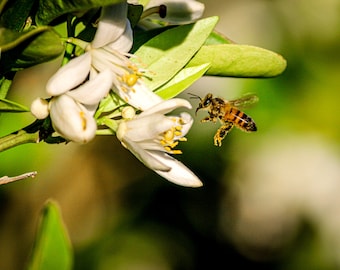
(18, 138)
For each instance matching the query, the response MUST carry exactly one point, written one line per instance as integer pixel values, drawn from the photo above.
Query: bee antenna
(195, 96)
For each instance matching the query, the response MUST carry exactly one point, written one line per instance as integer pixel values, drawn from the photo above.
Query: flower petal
(166, 106)
(186, 121)
(91, 92)
(70, 75)
(111, 24)
(145, 157)
(146, 128)
(179, 173)
(125, 41)
(140, 97)
(71, 120)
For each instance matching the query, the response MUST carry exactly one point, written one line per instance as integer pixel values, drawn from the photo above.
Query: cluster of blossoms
(77, 88)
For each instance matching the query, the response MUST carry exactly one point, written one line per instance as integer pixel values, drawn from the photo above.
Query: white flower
(151, 136)
(108, 50)
(177, 11)
(72, 112)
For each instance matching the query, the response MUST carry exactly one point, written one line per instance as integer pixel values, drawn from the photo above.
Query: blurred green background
(270, 199)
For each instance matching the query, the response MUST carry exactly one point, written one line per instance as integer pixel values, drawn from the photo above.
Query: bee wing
(244, 101)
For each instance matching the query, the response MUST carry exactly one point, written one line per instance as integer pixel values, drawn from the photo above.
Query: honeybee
(227, 112)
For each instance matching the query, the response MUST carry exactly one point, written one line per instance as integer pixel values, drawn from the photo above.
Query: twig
(6, 179)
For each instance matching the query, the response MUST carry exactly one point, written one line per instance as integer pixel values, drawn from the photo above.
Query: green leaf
(5, 84)
(167, 53)
(52, 248)
(36, 49)
(10, 39)
(239, 61)
(110, 103)
(217, 38)
(48, 10)
(15, 14)
(141, 36)
(134, 13)
(11, 106)
(181, 81)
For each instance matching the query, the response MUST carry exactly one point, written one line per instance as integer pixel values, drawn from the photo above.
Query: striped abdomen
(240, 120)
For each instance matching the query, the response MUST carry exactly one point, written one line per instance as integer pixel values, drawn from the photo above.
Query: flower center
(170, 137)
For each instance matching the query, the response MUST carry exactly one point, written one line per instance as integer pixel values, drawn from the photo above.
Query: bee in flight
(227, 112)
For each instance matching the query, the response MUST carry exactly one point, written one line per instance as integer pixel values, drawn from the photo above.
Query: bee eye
(207, 102)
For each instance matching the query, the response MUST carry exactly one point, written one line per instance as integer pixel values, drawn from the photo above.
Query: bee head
(204, 103)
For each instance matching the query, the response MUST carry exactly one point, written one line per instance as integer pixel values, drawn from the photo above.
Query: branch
(6, 179)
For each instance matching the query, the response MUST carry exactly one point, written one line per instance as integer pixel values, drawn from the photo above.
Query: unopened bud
(39, 108)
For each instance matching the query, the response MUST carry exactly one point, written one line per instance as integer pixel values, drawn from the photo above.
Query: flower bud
(39, 108)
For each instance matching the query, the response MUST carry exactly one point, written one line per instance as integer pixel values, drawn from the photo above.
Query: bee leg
(222, 132)
(208, 119)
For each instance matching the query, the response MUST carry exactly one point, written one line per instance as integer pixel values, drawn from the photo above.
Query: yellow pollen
(178, 133)
(163, 143)
(182, 139)
(169, 135)
(168, 142)
(173, 145)
(130, 79)
(181, 121)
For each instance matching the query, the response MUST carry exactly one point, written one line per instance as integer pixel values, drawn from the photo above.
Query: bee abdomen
(242, 121)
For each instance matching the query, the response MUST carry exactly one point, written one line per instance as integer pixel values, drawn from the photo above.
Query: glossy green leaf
(140, 37)
(134, 13)
(181, 81)
(43, 48)
(15, 14)
(10, 39)
(239, 61)
(48, 10)
(40, 48)
(217, 38)
(11, 106)
(110, 103)
(52, 248)
(5, 85)
(167, 53)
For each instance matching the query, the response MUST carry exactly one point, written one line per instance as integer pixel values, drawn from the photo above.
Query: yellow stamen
(169, 135)
(178, 133)
(83, 120)
(130, 79)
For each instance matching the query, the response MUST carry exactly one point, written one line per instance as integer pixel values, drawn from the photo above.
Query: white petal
(179, 11)
(93, 91)
(145, 157)
(146, 128)
(71, 120)
(179, 173)
(111, 24)
(187, 122)
(166, 106)
(125, 41)
(141, 98)
(70, 75)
